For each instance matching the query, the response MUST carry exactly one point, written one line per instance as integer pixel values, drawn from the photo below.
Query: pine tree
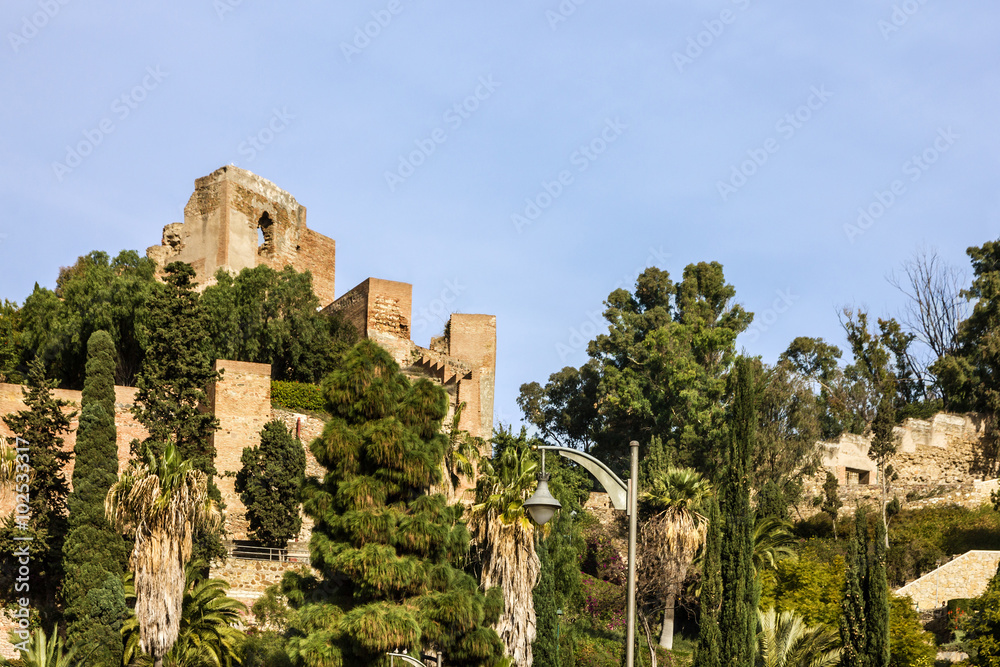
(853, 624)
(172, 387)
(709, 636)
(269, 484)
(738, 614)
(544, 649)
(39, 429)
(94, 554)
(386, 551)
(877, 602)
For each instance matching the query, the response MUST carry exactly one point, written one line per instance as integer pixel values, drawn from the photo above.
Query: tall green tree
(671, 535)
(94, 554)
(659, 371)
(387, 553)
(172, 386)
(545, 649)
(269, 483)
(10, 330)
(877, 602)
(709, 636)
(160, 503)
(970, 375)
(41, 425)
(872, 352)
(96, 293)
(738, 614)
(267, 316)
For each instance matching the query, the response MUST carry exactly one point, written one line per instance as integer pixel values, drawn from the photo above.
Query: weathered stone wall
(242, 404)
(964, 577)
(11, 400)
(249, 578)
(220, 231)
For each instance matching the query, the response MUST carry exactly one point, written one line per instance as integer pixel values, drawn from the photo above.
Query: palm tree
(504, 535)
(670, 539)
(161, 503)
(773, 542)
(785, 640)
(47, 651)
(209, 626)
(460, 456)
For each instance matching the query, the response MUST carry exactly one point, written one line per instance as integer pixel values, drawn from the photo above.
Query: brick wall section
(964, 577)
(242, 403)
(11, 400)
(473, 339)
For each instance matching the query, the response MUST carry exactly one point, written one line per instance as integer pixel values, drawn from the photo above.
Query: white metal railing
(249, 551)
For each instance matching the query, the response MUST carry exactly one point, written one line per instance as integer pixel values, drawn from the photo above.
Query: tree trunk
(667, 632)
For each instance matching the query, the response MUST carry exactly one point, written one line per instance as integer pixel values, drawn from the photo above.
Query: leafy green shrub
(297, 396)
(910, 645)
(810, 586)
(597, 652)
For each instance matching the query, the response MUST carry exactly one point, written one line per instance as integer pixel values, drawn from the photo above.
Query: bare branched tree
(935, 305)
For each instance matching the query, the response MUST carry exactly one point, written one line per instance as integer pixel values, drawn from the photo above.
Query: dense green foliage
(39, 428)
(877, 602)
(738, 611)
(545, 649)
(968, 375)
(386, 552)
(911, 645)
(809, 585)
(172, 387)
(96, 293)
(709, 637)
(267, 316)
(269, 484)
(298, 396)
(659, 371)
(94, 554)
(983, 626)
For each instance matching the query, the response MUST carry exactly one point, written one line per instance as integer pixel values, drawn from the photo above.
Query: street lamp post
(542, 506)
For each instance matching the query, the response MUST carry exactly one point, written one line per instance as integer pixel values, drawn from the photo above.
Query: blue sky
(520, 158)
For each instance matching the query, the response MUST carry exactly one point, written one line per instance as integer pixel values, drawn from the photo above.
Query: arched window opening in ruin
(265, 234)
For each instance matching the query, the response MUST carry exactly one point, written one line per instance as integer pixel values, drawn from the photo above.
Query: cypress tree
(94, 554)
(172, 387)
(544, 649)
(853, 626)
(387, 553)
(269, 484)
(709, 636)
(38, 429)
(738, 613)
(877, 602)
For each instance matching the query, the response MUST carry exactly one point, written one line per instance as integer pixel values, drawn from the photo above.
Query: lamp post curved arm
(612, 483)
(406, 658)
